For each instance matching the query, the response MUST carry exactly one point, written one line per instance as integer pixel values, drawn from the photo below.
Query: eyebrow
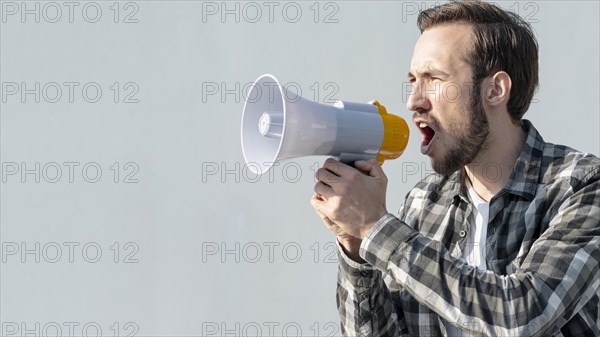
(428, 72)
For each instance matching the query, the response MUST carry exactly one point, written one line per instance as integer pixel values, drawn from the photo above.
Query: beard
(470, 139)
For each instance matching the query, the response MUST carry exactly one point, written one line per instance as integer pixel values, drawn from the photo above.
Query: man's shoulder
(565, 164)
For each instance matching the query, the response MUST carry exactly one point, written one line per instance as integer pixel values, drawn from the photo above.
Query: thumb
(371, 167)
(316, 201)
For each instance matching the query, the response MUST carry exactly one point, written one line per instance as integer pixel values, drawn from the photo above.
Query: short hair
(501, 41)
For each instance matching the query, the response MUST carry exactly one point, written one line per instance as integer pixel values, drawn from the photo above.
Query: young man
(513, 253)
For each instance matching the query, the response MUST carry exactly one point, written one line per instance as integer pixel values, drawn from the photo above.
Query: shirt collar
(524, 178)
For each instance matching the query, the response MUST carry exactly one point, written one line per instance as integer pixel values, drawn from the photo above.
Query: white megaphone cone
(278, 124)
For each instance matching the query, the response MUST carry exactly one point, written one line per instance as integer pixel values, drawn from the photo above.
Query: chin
(445, 167)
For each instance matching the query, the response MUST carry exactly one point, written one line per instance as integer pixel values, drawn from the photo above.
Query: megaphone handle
(350, 158)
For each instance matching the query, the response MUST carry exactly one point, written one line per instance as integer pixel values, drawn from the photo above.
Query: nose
(417, 101)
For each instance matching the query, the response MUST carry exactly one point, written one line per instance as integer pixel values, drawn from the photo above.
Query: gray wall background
(144, 220)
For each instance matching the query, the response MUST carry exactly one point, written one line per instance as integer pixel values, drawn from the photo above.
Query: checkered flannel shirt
(542, 256)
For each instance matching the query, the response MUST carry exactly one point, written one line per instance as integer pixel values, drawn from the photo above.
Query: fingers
(317, 203)
(336, 178)
(372, 167)
(334, 173)
(323, 190)
(330, 225)
(364, 165)
(338, 168)
(327, 177)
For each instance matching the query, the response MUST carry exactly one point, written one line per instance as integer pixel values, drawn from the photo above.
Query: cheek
(452, 93)
(453, 119)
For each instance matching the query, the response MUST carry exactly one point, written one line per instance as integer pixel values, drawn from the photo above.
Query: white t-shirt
(474, 253)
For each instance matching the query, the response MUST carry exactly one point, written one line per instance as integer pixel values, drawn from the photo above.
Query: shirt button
(462, 234)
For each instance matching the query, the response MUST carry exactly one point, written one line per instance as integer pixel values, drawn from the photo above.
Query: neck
(490, 170)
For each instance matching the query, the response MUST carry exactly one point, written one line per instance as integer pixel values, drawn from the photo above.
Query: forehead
(442, 47)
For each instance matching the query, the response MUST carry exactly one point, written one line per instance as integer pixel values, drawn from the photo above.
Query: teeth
(423, 125)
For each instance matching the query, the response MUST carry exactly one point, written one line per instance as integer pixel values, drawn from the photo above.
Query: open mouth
(428, 136)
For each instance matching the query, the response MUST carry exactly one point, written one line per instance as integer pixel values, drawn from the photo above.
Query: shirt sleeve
(558, 276)
(364, 301)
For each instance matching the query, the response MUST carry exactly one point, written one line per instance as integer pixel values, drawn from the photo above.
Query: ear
(497, 91)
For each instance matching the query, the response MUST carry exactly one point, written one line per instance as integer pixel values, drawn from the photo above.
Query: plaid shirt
(542, 256)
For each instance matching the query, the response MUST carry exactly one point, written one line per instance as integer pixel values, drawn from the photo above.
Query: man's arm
(363, 299)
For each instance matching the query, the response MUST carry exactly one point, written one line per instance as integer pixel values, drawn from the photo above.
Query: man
(511, 253)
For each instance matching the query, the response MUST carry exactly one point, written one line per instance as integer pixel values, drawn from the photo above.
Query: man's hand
(349, 243)
(350, 201)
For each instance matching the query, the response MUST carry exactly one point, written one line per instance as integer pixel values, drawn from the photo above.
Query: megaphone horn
(275, 127)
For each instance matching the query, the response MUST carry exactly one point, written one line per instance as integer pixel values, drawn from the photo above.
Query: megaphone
(278, 124)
